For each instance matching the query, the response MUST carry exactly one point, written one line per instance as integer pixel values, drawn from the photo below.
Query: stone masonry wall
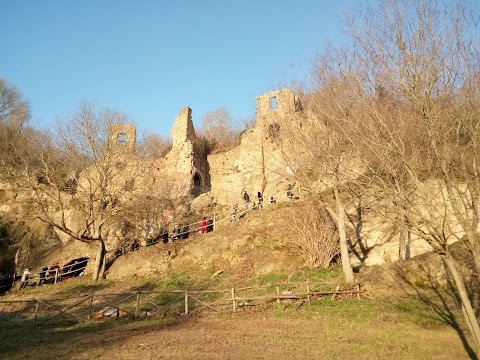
(257, 164)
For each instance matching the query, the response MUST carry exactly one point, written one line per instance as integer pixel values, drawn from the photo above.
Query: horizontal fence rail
(142, 304)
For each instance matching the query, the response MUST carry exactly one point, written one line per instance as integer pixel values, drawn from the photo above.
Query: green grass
(339, 329)
(271, 278)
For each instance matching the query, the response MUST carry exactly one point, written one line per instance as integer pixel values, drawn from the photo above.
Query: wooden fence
(141, 304)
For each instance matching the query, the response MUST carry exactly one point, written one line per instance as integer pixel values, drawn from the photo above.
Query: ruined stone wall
(255, 165)
(122, 138)
(183, 130)
(279, 105)
(258, 163)
(172, 176)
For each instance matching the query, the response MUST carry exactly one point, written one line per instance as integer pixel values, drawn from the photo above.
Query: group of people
(48, 275)
(178, 232)
(259, 205)
(246, 200)
(246, 203)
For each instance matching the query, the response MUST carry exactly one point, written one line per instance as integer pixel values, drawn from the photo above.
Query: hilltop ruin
(256, 164)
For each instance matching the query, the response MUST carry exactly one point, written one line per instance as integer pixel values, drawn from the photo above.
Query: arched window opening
(197, 181)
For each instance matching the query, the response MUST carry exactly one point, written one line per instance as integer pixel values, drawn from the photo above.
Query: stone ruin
(256, 164)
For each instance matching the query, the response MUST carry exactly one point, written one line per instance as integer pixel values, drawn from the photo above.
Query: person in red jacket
(204, 225)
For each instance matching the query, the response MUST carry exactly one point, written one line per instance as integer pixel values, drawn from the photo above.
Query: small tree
(152, 146)
(315, 238)
(217, 126)
(14, 111)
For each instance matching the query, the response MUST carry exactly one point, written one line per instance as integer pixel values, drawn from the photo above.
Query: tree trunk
(402, 241)
(467, 308)
(344, 253)
(99, 262)
(474, 242)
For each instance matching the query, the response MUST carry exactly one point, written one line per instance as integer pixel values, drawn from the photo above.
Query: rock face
(256, 244)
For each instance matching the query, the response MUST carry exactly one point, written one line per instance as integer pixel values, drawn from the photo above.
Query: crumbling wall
(173, 176)
(258, 163)
(122, 138)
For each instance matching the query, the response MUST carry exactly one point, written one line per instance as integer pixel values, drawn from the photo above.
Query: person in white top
(25, 274)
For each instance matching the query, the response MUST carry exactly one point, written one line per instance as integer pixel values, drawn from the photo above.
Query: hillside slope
(256, 243)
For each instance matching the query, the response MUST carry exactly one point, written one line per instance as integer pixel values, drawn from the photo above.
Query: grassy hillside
(395, 318)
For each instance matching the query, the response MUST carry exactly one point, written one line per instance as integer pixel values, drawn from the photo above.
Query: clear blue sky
(151, 58)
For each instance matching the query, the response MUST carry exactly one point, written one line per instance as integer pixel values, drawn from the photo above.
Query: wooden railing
(139, 304)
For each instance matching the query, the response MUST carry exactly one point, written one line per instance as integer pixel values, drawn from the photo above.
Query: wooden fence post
(56, 276)
(358, 291)
(90, 306)
(186, 302)
(37, 306)
(278, 294)
(337, 289)
(214, 222)
(308, 293)
(137, 303)
(234, 301)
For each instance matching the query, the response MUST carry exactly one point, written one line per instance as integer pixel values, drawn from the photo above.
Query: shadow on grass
(20, 339)
(72, 342)
(443, 300)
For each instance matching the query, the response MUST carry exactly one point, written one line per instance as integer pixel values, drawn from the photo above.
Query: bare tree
(323, 165)
(14, 111)
(77, 178)
(152, 146)
(217, 126)
(411, 80)
(314, 238)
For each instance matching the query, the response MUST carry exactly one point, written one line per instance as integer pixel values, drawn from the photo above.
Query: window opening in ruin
(122, 139)
(197, 181)
(273, 130)
(273, 103)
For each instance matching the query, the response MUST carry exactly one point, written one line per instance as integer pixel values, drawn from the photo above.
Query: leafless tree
(77, 178)
(410, 81)
(153, 146)
(218, 127)
(323, 165)
(14, 111)
(315, 238)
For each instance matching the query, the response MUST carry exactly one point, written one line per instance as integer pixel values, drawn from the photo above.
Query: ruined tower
(274, 108)
(189, 159)
(122, 138)
(183, 130)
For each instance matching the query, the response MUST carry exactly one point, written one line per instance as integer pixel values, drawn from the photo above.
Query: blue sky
(149, 59)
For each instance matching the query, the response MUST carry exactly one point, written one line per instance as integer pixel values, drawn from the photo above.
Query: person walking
(233, 213)
(24, 279)
(260, 200)
(246, 199)
(204, 225)
(290, 192)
